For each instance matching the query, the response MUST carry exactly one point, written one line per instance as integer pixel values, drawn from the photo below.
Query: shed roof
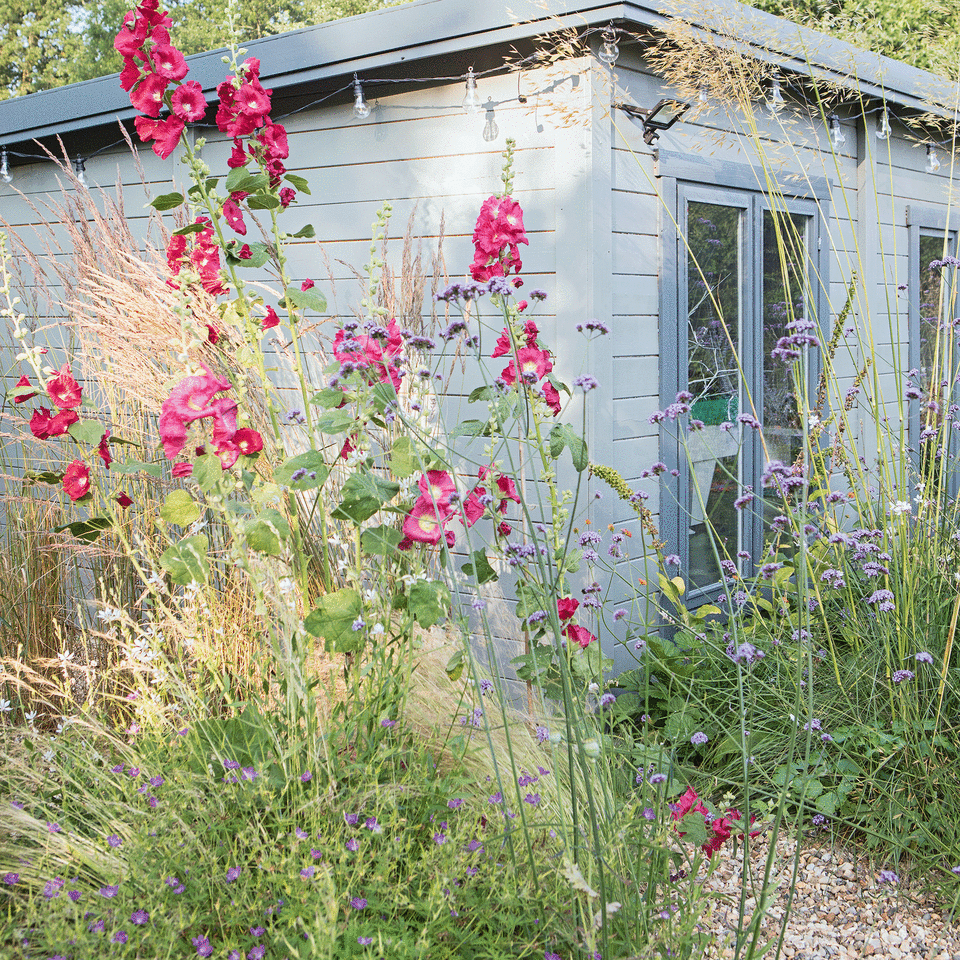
(427, 30)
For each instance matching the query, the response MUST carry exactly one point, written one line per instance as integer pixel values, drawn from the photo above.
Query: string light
(883, 130)
(471, 100)
(702, 97)
(933, 161)
(609, 51)
(80, 169)
(776, 101)
(361, 110)
(837, 137)
(490, 129)
(5, 175)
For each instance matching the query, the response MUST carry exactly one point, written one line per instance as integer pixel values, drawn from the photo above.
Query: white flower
(49, 755)
(110, 615)
(285, 585)
(899, 507)
(4, 706)
(65, 655)
(30, 716)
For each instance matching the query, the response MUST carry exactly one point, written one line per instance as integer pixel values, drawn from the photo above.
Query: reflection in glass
(714, 307)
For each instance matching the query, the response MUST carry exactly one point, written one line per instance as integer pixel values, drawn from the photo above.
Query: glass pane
(714, 305)
(784, 301)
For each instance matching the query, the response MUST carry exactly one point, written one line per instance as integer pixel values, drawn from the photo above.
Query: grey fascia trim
(428, 29)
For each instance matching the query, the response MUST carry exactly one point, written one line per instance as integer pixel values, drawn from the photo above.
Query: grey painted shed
(611, 218)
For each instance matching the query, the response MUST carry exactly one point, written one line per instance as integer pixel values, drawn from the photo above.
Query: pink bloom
(422, 524)
(203, 256)
(248, 441)
(192, 398)
(522, 305)
(63, 390)
(245, 253)
(580, 635)
(472, 507)
(270, 320)
(287, 195)
(173, 434)
(76, 480)
(169, 62)
(306, 285)
(238, 157)
(253, 101)
(182, 469)
(130, 74)
(188, 102)
(437, 486)
(104, 450)
(368, 353)
(213, 334)
(164, 133)
(504, 345)
(534, 364)
(234, 217)
(530, 330)
(567, 607)
(23, 397)
(123, 500)
(147, 95)
(552, 397)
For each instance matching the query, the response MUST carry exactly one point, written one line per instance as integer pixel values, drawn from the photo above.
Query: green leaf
(383, 395)
(196, 194)
(328, 398)
(693, 826)
(42, 476)
(472, 428)
(311, 299)
(262, 201)
(259, 255)
(86, 530)
(266, 533)
(304, 233)
(428, 601)
(333, 620)
(381, 541)
(241, 179)
(138, 466)
(180, 508)
(208, 472)
(186, 561)
(482, 393)
(480, 568)
(188, 229)
(298, 183)
(311, 462)
(89, 432)
(455, 665)
(531, 666)
(827, 803)
(336, 421)
(402, 463)
(529, 600)
(167, 201)
(563, 435)
(363, 495)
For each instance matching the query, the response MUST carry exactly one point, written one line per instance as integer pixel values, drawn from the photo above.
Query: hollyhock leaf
(186, 561)
(529, 600)
(262, 201)
(480, 568)
(380, 541)
(333, 619)
(383, 395)
(86, 530)
(298, 182)
(482, 393)
(363, 495)
(43, 476)
(304, 464)
(402, 461)
(336, 421)
(86, 431)
(167, 201)
(304, 233)
(138, 466)
(694, 828)
(571, 560)
(828, 803)
(180, 508)
(532, 666)
(267, 532)
(259, 255)
(240, 179)
(670, 589)
(428, 601)
(455, 665)
(472, 428)
(189, 228)
(310, 299)
(328, 398)
(563, 435)
(208, 472)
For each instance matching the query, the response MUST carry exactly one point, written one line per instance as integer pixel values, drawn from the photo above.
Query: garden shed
(653, 232)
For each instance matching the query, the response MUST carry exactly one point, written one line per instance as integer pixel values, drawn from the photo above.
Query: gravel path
(840, 910)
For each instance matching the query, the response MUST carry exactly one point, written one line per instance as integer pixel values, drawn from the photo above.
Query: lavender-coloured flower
(232, 874)
(139, 917)
(888, 876)
(699, 738)
(923, 657)
(120, 936)
(586, 382)
(109, 891)
(902, 676)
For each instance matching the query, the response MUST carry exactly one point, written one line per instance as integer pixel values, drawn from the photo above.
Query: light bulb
(933, 161)
(471, 100)
(5, 175)
(490, 129)
(702, 98)
(883, 130)
(361, 109)
(836, 132)
(609, 51)
(776, 100)
(79, 168)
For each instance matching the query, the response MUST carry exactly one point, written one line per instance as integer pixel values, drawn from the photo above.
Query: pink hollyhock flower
(522, 305)
(44, 426)
(274, 141)
(188, 102)
(437, 486)
(530, 331)
(422, 524)
(472, 507)
(271, 320)
(63, 390)
(508, 489)
(551, 395)
(500, 223)
(192, 397)
(238, 156)
(147, 95)
(213, 334)
(76, 480)
(244, 253)
(287, 195)
(24, 396)
(504, 345)
(169, 62)
(567, 607)
(129, 41)
(248, 441)
(306, 285)
(203, 256)
(173, 434)
(228, 452)
(104, 450)
(130, 74)
(579, 635)
(534, 364)
(224, 413)
(182, 469)
(253, 101)
(234, 217)
(368, 353)
(123, 500)
(165, 134)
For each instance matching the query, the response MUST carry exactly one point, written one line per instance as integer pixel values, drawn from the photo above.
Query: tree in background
(39, 43)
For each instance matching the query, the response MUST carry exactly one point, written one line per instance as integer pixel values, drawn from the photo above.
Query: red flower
(164, 133)
(306, 285)
(580, 635)
(498, 232)
(44, 426)
(63, 390)
(203, 256)
(130, 73)
(234, 217)
(504, 345)
(238, 157)
(437, 486)
(76, 480)
(522, 305)
(123, 500)
(169, 62)
(271, 320)
(20, 395)
(104, 450)
(244, 253)
(422, 524)
(552, 397)
(182, 469)
(188, 102)
(567, 607)
(534, 364)
(368, 353)
(472, 507)
(147, 95)
(287, 195)
(213, 334)
(248, 441)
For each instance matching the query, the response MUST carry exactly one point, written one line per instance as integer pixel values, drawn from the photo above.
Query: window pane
(784, 292)
(714, 304)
